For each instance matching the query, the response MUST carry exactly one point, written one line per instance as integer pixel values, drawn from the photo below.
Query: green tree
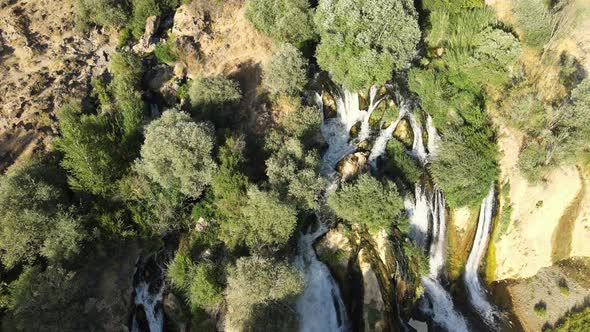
(286, 71)
(30, 197)
(176, 154)
(64, 238)
(48, 300)
(257, 283)
(214, 98)
(127, 71)
(463, 173)
(368, 202)
(111, 14)
(88, 143)
(268, 221)
(283, 20)
(199, 282)
(363, 41)
(293, 171)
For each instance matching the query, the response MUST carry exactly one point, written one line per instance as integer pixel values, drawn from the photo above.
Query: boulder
(173, 309)
(352, 165)
(189, 21)
(146, 44)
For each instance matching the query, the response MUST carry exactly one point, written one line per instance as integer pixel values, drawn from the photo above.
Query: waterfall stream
(149, 286)
(477, 294)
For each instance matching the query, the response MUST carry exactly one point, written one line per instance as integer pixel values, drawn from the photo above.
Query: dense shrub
(176, 154)
(268, 222)
(283, 20)
(255, 286)
(200, 282)
(535, 20)
(286, 72)
(214, 99)
(107, 13)
(368, 202)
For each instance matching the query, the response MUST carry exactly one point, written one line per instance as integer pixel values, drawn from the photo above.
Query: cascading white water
(385, 135)
(418, 150)
(475, 290)
(433, 138)
(150, 303)
(320, 307)
(425, 210)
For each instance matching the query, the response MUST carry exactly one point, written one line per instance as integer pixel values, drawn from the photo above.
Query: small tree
(256, 282)
(88, 143)
(213, 98)
(30, 199)
(176, 154)
(367, 202)
(286, 71)
(362, 42)
(283, 20)
(268, 221)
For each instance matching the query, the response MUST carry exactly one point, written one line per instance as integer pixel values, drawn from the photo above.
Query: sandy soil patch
(537, 209)
(581, 233)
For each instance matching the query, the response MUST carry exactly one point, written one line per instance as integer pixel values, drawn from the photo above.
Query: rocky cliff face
(43, 60)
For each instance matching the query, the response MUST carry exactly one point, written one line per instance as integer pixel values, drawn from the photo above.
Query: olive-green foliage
(199, 282)
(64, 237)
(254, 285)
(142, 9)
(535, 20)
(268, 222)
(48, 300)
(363, 41)
(30, 201)
(166, 52)
(111, 14)
(558, 134)
(475, 56)
(462, 172)
(286, 71)
(368, 202)
(416, 256)
(304, 124)
(399, 164)
(176, 154)
(574, 322)
(229, 188)
(88, 142)
(292, 170)
(127, 70)
(214, 98)
(283, 20)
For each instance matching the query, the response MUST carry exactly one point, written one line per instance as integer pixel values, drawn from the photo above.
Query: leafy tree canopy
(283, 20)
(286, 71)
(363, 41)
(367, 202)
(176, 154)
(268, 221)
(256, 282)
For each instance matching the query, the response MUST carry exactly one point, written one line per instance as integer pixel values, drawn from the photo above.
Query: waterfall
(385, 135)
(149, 286)
(477, 295)
(424, 210)
(434, 140)
(320, 307)
(418, 150)
(430, 210)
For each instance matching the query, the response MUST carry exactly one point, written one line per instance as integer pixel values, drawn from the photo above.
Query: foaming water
(477, 294)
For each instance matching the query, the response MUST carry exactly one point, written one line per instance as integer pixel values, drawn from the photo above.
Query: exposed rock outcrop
(44, 59)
